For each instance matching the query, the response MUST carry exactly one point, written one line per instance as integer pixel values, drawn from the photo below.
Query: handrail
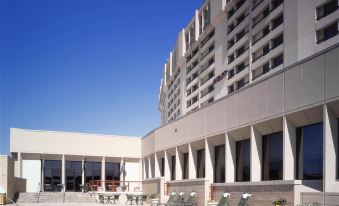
(12, 201)
(91, 188)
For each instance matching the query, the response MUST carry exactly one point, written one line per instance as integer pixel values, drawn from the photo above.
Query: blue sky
(85, 65)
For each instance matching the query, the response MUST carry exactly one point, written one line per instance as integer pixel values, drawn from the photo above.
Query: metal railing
(7, 198)
(38, 192)
(115, 185)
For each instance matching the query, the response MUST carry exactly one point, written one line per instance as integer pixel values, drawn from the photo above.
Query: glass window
(201, 163)
(185, 166)
(112, 171)
(162, 171)
(310, 152)
(173, 167)
(73, 175)
(219, 164)
(243, 170)
(272, 155)
(52, 172)
(92, 171)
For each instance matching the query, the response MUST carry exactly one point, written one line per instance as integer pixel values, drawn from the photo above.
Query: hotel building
(249, 102)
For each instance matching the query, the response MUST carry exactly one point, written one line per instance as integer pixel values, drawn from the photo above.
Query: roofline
(79, 133)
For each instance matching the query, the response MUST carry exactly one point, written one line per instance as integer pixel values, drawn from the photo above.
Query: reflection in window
(219, 164)
(310, 152)
(272, 148)
(52, 172)
(185, 166)
(201, 163)
(92, 171)
(173, 167)
(73, 175)
(243, 160)
(112, 171)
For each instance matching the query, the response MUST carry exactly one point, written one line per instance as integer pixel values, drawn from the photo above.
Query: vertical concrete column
(103, 173)
(18, 168)
(192, 162)
(42, 181)
(167, 167)
(150, 172)
(330, 150)
(230, 158)
(141, 177)
(83, 171)
(178, 164)
(256, 154)
(289, 149)
(157, 165)
(122, 169)
(209, 161)
(63, 170)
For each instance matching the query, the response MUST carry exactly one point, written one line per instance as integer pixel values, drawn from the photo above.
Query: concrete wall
(49, 142)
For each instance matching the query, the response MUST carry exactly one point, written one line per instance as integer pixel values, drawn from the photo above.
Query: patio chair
(116, 198)
(280, 202)
(170, 200)
(244, 199)
(223, 200)
(189, 201)
(144, 199)
(101, 198)
(130, 198)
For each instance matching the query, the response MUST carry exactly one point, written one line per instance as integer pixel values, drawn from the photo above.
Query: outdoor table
(109, 199)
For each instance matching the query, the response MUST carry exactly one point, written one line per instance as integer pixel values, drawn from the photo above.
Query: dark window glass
(310, 152)
(243, 170)
(52, 172)
(276, 3)
(173, 167)
(278, 41)
(231, 89)
(266, 31)
(92, 171)
(185, 166)
(266, 12)
(277, 21)
(278, 60)
(266, 49)
(272, 154)
(266, 68)
(201, 163)
(112, 171)
(241, 83)
(327, 9)
(219, 164)
(230, 74)
(73, 175)
(162, 172)
(327, 33)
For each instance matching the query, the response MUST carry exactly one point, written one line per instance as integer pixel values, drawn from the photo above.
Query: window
(265, 31)
(266, 49)
(241, 67)
(278, 41)
(92, 171)
(173, 167)
(327, 33)
(231, 88)
(230, 74)
(272, 156)
(278, 60)
(162, 168)
(241, 83)
(112, 171)
(310, 152)
(73, 175)
(201, 163)
(266, 68)
(185, 166)
(327, 9)
(276, 3)
(277, 21)
(266, 12)
(52, 172)
(219, 164)
(231, 58)
(243, 170)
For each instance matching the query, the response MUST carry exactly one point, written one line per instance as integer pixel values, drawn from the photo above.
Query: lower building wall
(153, 186)
(329, 199)
(200, 186)
(261, 194)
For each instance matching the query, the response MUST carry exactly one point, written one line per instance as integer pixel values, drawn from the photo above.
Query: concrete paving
(69, 204)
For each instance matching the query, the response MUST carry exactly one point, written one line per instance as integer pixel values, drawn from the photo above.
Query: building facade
(229, 44)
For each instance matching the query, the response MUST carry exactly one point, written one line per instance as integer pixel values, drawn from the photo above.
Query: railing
(7, 198)
(115, 185)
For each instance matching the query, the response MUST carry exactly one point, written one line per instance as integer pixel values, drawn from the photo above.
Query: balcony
(268, 11)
